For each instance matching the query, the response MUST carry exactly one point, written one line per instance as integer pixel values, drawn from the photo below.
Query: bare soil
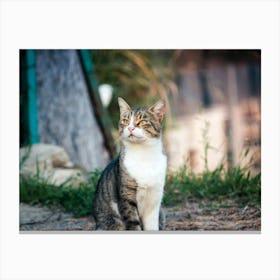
(190, 218)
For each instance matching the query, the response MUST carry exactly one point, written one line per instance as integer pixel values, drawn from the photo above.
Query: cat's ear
(124, 107)
(158, 109)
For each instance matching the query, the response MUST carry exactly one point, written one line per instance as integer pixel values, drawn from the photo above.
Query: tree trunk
(65, 115)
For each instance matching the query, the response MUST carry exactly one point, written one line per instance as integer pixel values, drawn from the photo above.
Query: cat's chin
(134, 139)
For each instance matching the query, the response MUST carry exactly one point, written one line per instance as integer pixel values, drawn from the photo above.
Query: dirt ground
(190, 218)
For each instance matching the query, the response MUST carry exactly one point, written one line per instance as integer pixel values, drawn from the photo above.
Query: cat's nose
(131, 128)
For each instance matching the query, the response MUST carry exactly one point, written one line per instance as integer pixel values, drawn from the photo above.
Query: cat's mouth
(131, 136)
(134, 138)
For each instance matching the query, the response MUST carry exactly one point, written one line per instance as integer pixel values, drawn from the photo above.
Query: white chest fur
(147, 165)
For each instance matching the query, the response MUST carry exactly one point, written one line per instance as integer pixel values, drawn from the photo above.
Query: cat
(130, 189)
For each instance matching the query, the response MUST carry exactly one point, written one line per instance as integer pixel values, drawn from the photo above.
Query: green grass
(77, 200)
(216, 188)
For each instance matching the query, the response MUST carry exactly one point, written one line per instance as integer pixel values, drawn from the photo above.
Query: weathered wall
(66, 117)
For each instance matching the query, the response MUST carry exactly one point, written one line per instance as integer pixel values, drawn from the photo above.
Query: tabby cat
(130, 189)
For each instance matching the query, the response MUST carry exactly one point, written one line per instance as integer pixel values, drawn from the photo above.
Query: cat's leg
(151, 213)
(107, 217)
(109, 221)
(130, 215)
(128, 209)
(151, 219)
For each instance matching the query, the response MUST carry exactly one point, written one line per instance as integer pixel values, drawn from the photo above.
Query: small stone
(44, 156)
(49, 162)
(71, 177)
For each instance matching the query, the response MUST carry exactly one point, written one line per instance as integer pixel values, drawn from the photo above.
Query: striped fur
(128, 194)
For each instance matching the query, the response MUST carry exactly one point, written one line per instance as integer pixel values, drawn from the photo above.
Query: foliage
(217, 186)
(236, 184)
(78, 200)
(140, 76)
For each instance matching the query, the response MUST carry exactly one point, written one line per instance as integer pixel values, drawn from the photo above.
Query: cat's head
(140, 124)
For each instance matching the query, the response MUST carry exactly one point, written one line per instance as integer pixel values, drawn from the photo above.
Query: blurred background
(212, 133)
(69, 98)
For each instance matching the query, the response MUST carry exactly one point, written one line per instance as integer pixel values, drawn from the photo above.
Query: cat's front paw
(136, 228)
(133, 225)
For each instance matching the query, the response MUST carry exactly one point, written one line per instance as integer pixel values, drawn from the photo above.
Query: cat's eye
(143, 122)
(125, 121)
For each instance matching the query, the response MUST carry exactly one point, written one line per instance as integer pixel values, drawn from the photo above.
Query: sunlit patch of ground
(190, 218)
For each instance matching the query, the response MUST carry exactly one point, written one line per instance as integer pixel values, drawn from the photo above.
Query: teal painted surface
(88, 64)
(32, 109)
(28, 98)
